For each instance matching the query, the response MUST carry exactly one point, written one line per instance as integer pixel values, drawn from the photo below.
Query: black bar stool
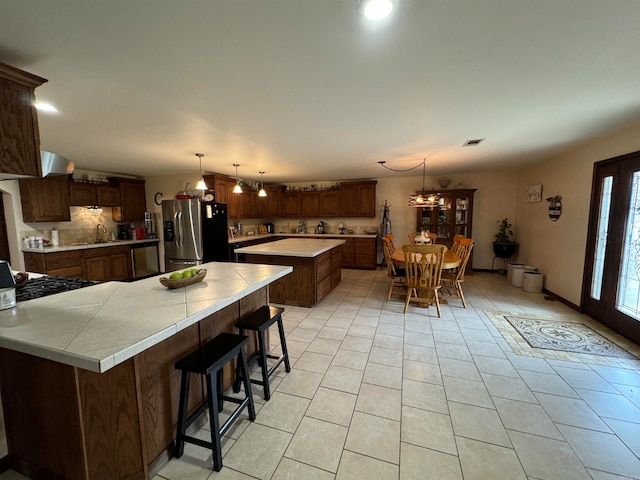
(207, 360)
(259, 321)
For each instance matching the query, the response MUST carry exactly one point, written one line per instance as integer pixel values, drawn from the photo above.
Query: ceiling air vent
(472, 143)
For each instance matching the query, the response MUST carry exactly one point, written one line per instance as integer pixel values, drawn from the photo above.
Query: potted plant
(504, 246)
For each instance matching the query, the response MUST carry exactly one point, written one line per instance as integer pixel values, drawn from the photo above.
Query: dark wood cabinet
(272, 201)
(290, 204)
(309, 204)
(359, 253)
(82, 194)
(330, 201)
(107, 196)
(107, 263)
(452, 216)
(61, 264)
(133, 201)
(45, 199)
(358, 199)
(19, 137)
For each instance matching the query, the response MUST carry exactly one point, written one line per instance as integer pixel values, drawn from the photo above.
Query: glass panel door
(628, 300)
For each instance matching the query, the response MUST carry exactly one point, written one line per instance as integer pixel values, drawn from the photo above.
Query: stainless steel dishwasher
(144, 259)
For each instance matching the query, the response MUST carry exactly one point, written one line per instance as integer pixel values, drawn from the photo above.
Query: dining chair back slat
(452, 281)
(423, 267)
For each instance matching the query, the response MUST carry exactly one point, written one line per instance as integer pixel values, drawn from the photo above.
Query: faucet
(104, 230)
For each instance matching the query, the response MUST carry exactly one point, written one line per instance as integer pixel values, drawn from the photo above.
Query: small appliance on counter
(320, 227)
(341, 227)
(270, 227)
(7, 286)
(124, 231)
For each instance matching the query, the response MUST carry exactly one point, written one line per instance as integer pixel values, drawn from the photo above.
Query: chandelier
(421, 199)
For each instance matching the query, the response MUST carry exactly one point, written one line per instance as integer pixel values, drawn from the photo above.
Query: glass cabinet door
(462, 215)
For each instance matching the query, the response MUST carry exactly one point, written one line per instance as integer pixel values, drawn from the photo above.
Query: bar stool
(259, 321)
(208, 360)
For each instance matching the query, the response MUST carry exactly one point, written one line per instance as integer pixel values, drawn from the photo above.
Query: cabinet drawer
(323, 266)
(365, 246)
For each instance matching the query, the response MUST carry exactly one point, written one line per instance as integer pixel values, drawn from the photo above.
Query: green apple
(187, 274)
(175, 275)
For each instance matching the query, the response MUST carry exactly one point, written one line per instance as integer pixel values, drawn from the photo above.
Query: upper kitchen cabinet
(309, 204)
(19, 138)
(133, 201)
(272, 200)
(358, 199)
(85, 194)
(330, 201)
(45, 199)
(290, 204)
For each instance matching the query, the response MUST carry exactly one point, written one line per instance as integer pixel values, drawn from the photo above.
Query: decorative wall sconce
(555, 207)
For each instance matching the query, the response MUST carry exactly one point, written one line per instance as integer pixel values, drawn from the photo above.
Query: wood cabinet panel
(272, 201)
(330, 201)
(45, 199)
(309, 204)
(107, 196)
(290, 204)
(61, 264)
(107, 263)
(365, 253)
(348, 254)
(367, 199)
(133, 201)
(19, 136)
(82, 194)
(349, 200)
(358, 199)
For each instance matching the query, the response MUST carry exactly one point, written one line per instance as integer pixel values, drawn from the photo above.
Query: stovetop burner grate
(50, 285)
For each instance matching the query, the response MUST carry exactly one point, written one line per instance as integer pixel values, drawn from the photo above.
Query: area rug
(565, 336)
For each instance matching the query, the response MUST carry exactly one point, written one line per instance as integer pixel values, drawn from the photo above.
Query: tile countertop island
(89, 388)
(316, 267)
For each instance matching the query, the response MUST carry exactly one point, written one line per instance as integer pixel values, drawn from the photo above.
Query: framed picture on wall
(534, 193)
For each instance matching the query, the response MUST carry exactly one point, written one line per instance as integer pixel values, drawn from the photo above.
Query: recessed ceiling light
(376, 9)
(472, 143)
(46, 107)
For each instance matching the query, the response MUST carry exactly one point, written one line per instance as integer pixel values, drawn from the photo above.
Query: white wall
(558, 248)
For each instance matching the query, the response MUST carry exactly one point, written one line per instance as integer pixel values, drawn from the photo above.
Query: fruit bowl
(183, 282)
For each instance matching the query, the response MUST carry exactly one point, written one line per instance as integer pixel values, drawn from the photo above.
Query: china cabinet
(452, 216)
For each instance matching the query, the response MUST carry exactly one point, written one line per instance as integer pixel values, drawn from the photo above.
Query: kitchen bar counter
(89, 388)
(248, 238)
(98, 327)
(316, 268)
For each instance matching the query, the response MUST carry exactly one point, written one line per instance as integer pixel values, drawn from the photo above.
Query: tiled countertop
(98, 327)
(246, 238)
(84, 246)
(292, 247)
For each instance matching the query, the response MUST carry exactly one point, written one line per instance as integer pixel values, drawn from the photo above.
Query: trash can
(516, 274)
(532, 282)
(510, 268)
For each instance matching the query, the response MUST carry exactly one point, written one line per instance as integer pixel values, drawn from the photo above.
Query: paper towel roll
(55, 240)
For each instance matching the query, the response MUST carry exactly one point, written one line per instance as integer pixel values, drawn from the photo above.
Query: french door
(611, 288)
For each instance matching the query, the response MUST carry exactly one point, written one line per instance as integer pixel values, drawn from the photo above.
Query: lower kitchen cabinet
(101, 264)
(358, 253)
(110, 263)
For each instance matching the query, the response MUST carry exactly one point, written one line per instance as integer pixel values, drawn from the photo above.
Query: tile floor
(375, 394)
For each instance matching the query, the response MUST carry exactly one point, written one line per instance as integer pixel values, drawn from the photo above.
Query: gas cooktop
(50, 285)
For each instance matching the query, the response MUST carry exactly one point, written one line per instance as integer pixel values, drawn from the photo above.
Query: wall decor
(534, 193)
(555, 207)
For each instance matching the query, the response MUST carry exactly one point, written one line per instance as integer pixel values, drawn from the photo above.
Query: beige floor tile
(283, 412)
(452, 367)
(363, 331)
(559, 460)
(419, 339)
(526, 417)
(318, 443)
(324, 346)
(478, 423)
(380, 401)
(332, 406)
(483, 461)
(417, 463)
(422, 372)
(386, 356)
(292, 470)
(258, 451)
(388, 341)
(354, 465)
(351, 359)
(467, 391)
(571, 411)
(301, 383)
(375, 437)
(383, 375)
(343, 378)
(428, 429)
(417, 353)
(426, 396)
(314, 362)
(356, 344)
(508, 387)
(390, 329)
(331, 333)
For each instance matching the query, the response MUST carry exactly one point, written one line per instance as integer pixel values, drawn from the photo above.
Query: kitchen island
(316, 268)
(89, 388)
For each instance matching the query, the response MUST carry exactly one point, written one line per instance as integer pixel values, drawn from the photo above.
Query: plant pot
(504, 249)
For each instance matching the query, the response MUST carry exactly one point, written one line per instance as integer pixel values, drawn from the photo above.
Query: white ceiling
(309, 90)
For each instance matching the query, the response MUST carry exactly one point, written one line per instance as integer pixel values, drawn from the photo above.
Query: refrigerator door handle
(179, 229)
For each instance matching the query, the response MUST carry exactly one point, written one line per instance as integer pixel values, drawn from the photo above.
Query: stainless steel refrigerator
(194, 232)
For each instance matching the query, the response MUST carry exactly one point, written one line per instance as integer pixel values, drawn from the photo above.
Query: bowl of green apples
(183, 278)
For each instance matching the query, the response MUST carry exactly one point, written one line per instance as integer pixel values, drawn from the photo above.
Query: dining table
(450, 260)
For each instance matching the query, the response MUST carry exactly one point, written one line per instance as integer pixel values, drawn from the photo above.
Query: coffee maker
(124, 231)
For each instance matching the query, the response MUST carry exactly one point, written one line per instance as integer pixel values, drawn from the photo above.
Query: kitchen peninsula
(316, 268)
(88, 384)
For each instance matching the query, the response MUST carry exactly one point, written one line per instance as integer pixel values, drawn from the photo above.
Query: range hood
(53, 164)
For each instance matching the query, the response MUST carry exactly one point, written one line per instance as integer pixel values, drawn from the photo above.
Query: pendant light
(201, 185)
(420, 199)
(237, 188)
(262, 192)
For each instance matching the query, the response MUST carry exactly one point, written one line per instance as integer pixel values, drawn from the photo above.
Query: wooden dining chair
(432, 236)
(452, 280)
(412, 237)
(455, 247)
(423, 266)
(396, 275)
(390, 238)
